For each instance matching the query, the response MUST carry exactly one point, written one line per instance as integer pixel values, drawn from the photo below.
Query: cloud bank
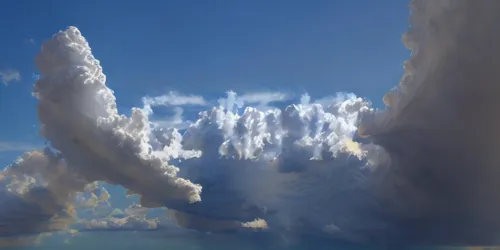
(422, 171)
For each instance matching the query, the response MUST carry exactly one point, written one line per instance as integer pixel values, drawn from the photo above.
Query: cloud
(133, 219)
(36, 195)
(129, 223)
(171, 99)
(80, 119)
(95, 198)
(215, 225)
(422, 171)
(174, 99)
(175, 121)
(441, 127)
(9, 75)
(15, 146)
(262, 99)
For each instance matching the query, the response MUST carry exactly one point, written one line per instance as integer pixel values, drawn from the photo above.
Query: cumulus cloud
(36, 193)
(136, 210)
(280, 148)
(421, 171)
(94, 198)
(79, 117)
(133, 218)
(129, 223)
(9, 75)
(259, 100)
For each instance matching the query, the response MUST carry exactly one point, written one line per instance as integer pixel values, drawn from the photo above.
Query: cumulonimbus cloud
(421, 171)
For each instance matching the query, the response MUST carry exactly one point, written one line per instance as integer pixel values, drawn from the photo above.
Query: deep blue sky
(206, 47)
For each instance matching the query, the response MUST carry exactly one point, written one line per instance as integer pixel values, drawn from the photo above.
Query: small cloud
(9, 75)
(174, 99)
(15, 146)
(260, 99)
(264, 97)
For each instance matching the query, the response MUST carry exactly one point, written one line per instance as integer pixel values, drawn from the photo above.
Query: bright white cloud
(79, 117)
(9, 75)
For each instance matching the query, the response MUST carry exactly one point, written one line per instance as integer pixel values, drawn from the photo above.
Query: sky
(205, 48)
(295, 139)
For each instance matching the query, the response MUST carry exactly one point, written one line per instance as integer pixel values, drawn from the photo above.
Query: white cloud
(126, 223)
(174, 99)
(260, 99)
(36, 194)
(115, 149)
(264, 97)
(9, 75)
(171, 99)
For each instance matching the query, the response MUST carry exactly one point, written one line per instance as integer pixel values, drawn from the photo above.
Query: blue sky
(205, 48)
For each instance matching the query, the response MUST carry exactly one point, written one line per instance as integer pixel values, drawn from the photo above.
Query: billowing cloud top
(421, 171)
(79, 116)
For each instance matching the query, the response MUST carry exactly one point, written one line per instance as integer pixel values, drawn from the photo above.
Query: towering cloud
(441, 125)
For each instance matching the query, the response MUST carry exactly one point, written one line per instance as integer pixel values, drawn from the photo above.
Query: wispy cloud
(264, 97)
(9, 75)
(259, 100)
(175, 121)
(15, 146)
(174, 99)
